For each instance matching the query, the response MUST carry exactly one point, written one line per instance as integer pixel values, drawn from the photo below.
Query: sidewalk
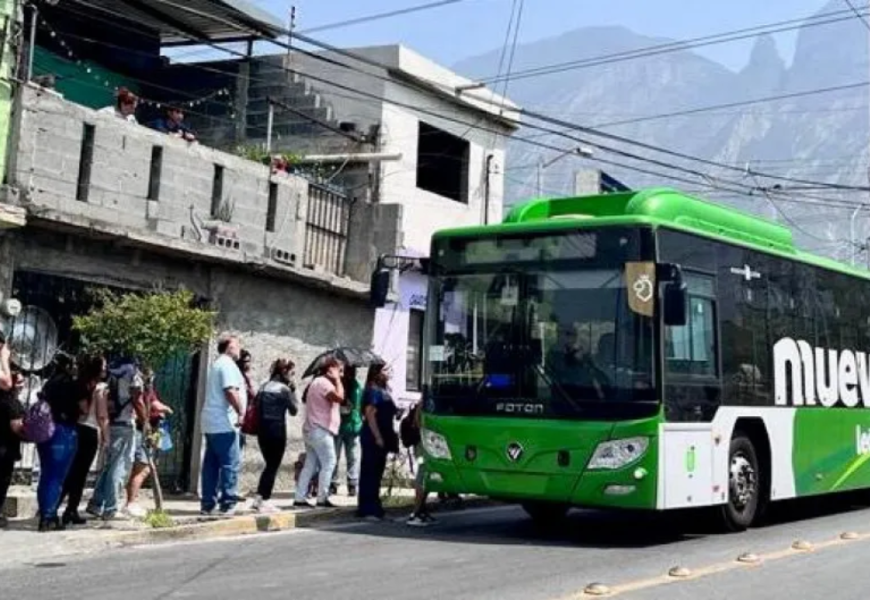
(22, 544)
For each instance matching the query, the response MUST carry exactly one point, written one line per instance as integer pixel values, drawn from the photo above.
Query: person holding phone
(322, 424)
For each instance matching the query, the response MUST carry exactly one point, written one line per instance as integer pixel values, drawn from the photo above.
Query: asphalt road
(480, 555)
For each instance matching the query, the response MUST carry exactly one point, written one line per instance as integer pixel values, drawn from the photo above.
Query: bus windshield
(527, 338)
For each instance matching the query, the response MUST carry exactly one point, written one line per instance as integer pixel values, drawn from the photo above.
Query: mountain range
(814, 137)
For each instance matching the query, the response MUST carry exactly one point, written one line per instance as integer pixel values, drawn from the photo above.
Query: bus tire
(546, 514)
(745, 485)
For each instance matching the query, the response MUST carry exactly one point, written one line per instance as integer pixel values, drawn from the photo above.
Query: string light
(221, 93)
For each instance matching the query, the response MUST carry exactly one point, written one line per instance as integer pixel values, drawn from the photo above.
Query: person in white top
(125, 105)
(93, 433)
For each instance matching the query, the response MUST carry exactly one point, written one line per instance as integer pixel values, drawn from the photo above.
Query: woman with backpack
(378, 439)
(276, 398)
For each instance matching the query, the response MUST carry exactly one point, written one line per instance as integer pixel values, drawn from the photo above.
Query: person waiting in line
(69, 403)
(348, 433)
(276, 398)
(322, 422)
(11, 426)
(222, 412)
(247, 370)
(172, 123)
(125, 407)
(145, 450)
(93, 434)
(378, 439)
(420, 517)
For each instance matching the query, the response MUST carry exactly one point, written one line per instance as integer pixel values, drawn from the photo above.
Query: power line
(702, 109)
(383, 15)
(858, 14)
(584, 114)
(675, 153)
(510, 65)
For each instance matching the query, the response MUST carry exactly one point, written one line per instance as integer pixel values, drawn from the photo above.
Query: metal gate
(326, 229)
(64, 297)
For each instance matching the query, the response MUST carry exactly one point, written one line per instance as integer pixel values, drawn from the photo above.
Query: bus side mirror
(675, 301)
(380, 288)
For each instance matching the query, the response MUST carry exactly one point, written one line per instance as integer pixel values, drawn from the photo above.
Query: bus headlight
(435, 445)
(616, 454)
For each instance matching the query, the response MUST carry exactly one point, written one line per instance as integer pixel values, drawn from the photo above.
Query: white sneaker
(266, 507)
(136, 511)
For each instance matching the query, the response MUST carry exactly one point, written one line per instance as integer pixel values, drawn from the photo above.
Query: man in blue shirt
(173, 124)
(221, 417)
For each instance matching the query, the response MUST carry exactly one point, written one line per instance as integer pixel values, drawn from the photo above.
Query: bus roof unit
(661, 206)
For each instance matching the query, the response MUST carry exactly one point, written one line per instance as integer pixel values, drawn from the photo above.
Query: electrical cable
(383, 15)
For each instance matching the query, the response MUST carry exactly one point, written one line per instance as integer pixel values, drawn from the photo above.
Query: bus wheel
(546, 513)
(744, 485)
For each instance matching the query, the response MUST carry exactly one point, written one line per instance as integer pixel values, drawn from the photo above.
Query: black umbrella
(352, 357)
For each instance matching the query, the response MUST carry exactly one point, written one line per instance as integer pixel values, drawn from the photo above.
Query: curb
(250, 524)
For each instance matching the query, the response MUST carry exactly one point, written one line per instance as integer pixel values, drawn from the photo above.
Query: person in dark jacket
(275, 399)
(70, 399)
(11, 425)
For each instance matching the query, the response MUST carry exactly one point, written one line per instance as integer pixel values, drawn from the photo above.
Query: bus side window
(691, 349)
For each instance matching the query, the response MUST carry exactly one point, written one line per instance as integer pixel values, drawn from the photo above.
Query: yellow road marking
(722, 567)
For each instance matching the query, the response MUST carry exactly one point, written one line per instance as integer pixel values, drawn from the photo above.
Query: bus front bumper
(632, 487)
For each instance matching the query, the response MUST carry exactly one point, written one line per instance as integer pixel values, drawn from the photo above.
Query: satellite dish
(32, 338)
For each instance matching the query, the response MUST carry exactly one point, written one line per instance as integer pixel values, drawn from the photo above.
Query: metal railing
(326, 229)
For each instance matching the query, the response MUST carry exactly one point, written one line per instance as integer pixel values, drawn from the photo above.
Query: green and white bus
(643, 350)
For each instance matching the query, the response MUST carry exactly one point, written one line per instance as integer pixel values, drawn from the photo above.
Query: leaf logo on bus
(808, 376)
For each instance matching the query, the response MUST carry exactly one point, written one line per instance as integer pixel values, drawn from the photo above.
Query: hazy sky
(468, 27)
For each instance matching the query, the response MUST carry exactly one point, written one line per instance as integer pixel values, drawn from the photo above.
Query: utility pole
(486, 188)
(290, 29)
(31, 46)
(270, 125)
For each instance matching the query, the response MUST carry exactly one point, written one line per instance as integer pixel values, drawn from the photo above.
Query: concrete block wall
(48, 156)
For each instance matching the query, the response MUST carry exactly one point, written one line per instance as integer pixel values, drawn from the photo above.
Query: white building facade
(450, 137)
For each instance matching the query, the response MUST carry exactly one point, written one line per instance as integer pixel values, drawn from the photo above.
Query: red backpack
(251, 422)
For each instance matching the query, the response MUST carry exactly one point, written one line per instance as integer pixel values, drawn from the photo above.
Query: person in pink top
(322, 421)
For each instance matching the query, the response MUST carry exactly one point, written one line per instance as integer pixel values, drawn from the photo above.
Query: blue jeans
(116, 470)
(55, 458)
(319, 454)
(220, 471)
(350, 443)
